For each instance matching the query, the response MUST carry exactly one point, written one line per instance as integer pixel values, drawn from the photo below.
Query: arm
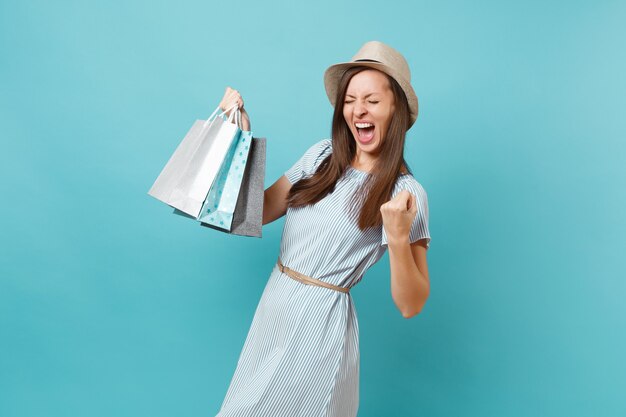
(275, 200)
(410, 285)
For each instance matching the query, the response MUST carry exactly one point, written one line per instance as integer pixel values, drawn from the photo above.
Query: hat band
(367, 60)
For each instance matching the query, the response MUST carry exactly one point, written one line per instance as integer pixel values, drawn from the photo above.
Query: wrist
(397, 241)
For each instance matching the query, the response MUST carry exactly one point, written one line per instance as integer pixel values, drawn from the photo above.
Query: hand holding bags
(216, 176)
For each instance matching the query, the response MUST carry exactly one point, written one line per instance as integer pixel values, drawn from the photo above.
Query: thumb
(411, 204)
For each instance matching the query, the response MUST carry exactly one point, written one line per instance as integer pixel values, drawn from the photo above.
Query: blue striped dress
(301, 355)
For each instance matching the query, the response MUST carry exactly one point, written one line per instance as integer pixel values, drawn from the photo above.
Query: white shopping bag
(187, 177)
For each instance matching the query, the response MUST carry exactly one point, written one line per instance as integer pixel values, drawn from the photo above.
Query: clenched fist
(398, 215)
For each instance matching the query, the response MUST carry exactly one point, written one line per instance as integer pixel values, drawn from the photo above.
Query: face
(367, 109)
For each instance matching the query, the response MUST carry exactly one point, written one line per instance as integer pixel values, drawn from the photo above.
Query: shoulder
(309, 161)
(319, 147)
(324, 145)
(318, 150)
(409, 183)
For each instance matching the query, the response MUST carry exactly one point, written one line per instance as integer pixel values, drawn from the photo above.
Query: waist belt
(308, 280)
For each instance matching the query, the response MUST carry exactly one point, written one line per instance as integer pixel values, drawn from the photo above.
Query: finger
(235, 99)
(232, 102)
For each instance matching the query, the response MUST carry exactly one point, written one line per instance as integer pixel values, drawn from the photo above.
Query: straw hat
(377, 55)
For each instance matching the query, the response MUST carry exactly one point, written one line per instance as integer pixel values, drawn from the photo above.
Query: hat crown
(385, 54)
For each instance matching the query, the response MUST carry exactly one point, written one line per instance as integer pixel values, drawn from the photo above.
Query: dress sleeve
(419, 227)
(309, 161)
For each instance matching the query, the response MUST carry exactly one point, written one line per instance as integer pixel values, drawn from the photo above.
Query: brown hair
(378, 187)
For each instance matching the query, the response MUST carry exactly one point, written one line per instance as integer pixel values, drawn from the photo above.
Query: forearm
(409, 287)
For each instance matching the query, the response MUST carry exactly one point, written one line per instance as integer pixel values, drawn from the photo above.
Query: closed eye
(370, 101)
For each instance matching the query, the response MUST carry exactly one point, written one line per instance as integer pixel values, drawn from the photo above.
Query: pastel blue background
(110, 305)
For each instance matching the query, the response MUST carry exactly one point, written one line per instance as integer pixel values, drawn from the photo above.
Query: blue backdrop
(110, 305)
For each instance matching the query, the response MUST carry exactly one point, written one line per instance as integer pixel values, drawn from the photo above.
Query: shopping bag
(219, 205)
(188, 175)
(248, 215)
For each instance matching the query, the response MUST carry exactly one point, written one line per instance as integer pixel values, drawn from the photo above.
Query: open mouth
(365, 131)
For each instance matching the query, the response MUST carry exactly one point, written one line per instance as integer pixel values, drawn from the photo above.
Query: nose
(359, 109)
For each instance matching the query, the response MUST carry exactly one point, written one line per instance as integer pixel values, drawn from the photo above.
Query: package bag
(190, 172)
(247, 218)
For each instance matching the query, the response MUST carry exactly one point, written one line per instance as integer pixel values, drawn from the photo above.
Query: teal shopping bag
(219, 206)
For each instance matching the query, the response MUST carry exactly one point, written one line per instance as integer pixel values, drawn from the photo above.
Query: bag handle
(230, 118)
(237, 118)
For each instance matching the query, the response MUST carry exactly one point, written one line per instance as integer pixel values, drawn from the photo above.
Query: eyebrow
(350, 95)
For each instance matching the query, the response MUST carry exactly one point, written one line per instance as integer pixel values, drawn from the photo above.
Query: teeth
(363, 125)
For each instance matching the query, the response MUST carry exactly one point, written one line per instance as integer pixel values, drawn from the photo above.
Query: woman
(345, 201)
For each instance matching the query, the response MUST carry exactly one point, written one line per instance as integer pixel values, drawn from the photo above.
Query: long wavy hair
(378, 187)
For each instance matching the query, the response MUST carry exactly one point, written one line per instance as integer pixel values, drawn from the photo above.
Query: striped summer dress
(301, 355)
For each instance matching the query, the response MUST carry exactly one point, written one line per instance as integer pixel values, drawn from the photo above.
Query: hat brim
(333, 74)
